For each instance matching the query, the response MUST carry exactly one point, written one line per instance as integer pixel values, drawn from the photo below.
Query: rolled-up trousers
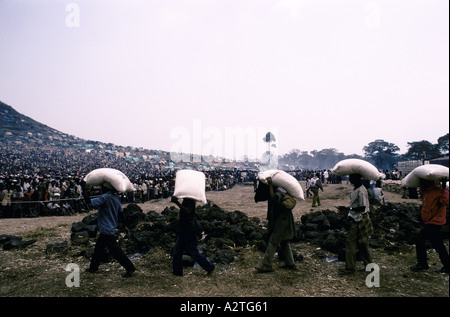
(352, 245)
(285, 252)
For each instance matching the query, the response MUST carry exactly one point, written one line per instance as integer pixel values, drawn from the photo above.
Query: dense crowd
(41, 182)
(45, 195)
(49, 181)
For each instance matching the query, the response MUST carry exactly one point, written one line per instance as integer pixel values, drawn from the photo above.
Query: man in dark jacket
(281, 230)
(109, 210)
(315, 185)
(187, 229)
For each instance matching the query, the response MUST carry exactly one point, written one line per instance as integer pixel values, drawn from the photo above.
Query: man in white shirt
(360, 227)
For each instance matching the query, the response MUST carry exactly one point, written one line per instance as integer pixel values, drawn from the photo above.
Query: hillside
(22, 134)
(16, 128)
(16, 125)
(19, 129)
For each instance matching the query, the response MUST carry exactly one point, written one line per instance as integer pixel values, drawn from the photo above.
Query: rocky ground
(234, 239)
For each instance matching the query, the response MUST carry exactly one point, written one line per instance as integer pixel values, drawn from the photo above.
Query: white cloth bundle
(283, 179)
(190, 184)
(428, 172)
(109, 177)
(356, 166)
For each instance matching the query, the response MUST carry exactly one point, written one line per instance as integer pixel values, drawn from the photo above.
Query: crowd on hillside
(38, 182)
(41, 182)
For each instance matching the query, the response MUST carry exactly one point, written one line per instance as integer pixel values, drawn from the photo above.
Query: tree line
(384, 155)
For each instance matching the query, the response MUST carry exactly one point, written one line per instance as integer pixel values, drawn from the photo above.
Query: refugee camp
(215, 156)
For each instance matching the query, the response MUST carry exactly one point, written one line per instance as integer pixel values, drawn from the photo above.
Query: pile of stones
(10, 242)
(396, 226)
(224, 232)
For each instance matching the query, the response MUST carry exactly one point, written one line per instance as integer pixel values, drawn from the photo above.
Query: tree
(381, 153)
(442, 145)
(291, 158)
(298, 158)
(422, 150)
(327, 158)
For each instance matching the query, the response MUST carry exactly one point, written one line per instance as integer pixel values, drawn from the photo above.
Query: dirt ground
(30, 272)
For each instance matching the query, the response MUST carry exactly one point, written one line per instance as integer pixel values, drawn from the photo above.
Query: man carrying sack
(281, 228)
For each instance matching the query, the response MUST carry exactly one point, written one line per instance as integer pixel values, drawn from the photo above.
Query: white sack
(109, 177)
(356, 166)
(428, 172)
(190, 184)
(283, 179)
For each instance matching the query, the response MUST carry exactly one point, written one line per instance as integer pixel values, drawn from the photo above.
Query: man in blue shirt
(109, 210)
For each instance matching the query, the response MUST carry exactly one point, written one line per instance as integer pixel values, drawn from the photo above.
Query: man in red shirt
(434, 202)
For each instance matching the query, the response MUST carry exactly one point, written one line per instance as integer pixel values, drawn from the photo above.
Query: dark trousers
(432, 233)
(188, 242)
(110, 242)
(316, 198)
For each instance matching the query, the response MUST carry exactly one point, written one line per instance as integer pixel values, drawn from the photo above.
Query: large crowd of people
(41, 182)
(45, 195)
(49, 181)
(36, 182)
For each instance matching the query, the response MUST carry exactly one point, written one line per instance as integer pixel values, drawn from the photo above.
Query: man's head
(355, 180)
(106, 187)
(426, 184)
(188, 203)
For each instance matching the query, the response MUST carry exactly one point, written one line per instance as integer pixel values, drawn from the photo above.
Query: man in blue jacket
(109, 210)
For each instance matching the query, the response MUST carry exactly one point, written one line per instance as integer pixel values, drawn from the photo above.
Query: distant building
(440, 160)
(407, 166)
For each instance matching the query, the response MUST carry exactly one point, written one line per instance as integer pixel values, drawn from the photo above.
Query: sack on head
(283, 179)
(190, 184)
(431, 172)
(109, 177)
(356, 166)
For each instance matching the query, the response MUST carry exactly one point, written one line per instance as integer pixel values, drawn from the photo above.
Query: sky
(213, 76)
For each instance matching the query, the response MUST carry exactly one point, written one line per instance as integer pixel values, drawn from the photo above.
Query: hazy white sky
(321, 73)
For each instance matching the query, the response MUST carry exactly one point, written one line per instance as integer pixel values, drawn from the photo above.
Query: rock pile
(325, 228)
(224, 232)
(393, 186)
(395, 226)
(14, 242)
